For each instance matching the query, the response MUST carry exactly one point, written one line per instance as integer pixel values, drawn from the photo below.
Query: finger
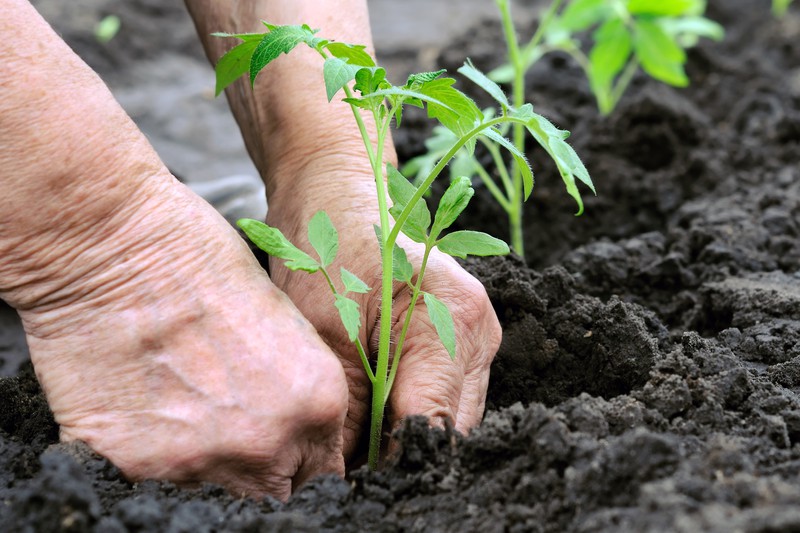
(428, 381)
(473, 398)
(476, 380)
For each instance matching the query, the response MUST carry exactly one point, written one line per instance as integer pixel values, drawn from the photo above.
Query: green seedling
(628, 35)
(625, 35)
(348, 69)
(779, 7)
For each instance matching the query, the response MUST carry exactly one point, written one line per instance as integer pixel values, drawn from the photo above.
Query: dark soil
(649, 374)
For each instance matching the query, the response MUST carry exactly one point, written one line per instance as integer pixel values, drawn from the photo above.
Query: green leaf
(442, 320)
(453, 202)
(272, 241)
(455, 110)
(402, 270)
(369, 80)
(613, 47)
(337, 73)
(661, 7)
(353, 283)
(522, 161)
(660, 55)
(323, 237)
(479, 78)
(234, 63)
(569, 164)
(421, 78)
(463, 243)
(688, 30)
(581, 15)
(354, 54)
(279, 40)
(350, 315)
(401, 191)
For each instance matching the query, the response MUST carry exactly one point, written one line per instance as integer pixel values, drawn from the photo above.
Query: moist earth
(649, 374)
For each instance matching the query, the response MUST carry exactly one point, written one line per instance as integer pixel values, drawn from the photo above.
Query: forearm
(287, 120)
(69, 155)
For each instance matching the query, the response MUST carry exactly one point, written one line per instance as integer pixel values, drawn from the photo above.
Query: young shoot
(348, 69)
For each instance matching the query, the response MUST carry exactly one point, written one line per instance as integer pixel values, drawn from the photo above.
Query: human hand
(156, 336)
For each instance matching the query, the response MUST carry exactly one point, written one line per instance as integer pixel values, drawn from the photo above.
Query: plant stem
(518, 97)
(426, 184)
(414, 297)
(387, 300)
(622, 84)
(357, 342)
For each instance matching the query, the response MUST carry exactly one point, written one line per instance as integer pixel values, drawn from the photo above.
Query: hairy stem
(414, 297)
(387, 300)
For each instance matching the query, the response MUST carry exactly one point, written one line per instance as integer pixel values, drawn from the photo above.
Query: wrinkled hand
(428, 382)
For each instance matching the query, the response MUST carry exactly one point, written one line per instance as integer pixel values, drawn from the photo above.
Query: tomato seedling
(351, 70)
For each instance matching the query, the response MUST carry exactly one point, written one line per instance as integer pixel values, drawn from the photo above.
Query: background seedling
(350, 70)
(779, 7)
(628, 35)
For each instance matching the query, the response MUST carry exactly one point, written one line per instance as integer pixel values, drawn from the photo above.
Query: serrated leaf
(522, 161)
(272, 241)
(552, 140)
(369, 80)
(660, 55)
(279, 40)
(421, 78)
(401, 191)
(455, 110)
(350, 315)
(402, 270)
(581, 15)
(353, 283)
(442, 320)
(463, 243)
(234, 63)
(613, 47)
(354, 54)
(661, 7)
(337, 73)
(453, 202)
(479, 78)
(323, 237)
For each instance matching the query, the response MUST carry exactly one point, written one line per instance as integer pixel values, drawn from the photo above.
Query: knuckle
(324, 396)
